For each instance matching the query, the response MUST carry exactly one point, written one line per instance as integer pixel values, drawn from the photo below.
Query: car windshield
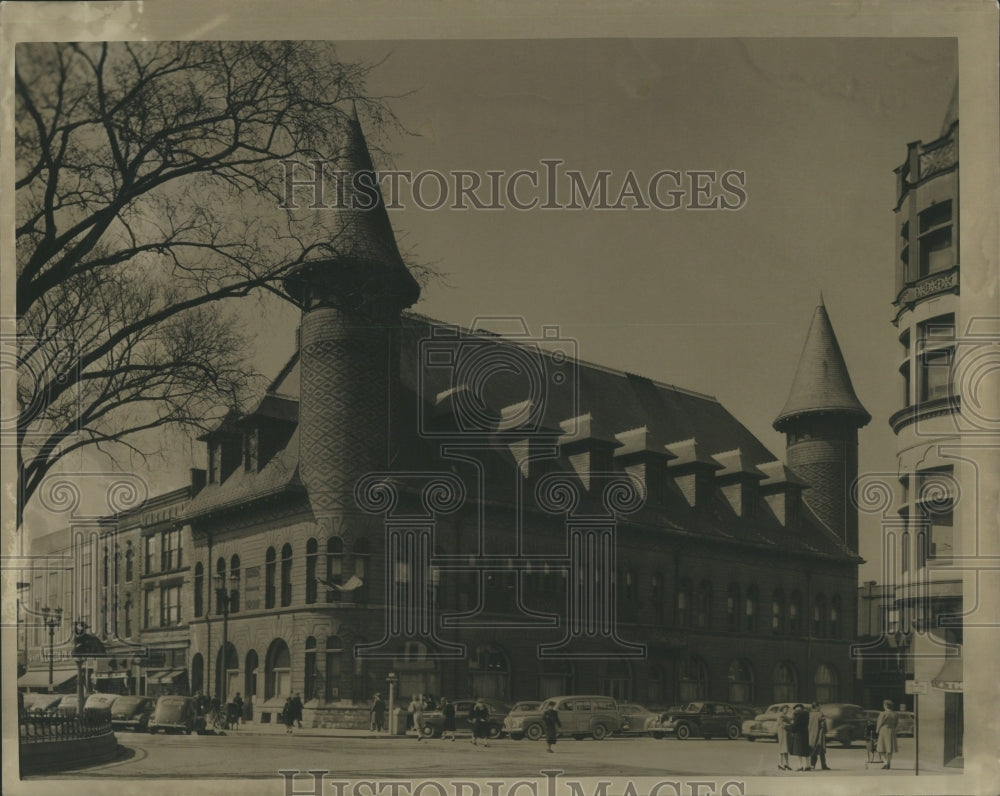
(693, 707)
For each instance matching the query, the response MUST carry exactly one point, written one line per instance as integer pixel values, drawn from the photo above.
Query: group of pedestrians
(292, 712)
(479, 716)
(802, 734)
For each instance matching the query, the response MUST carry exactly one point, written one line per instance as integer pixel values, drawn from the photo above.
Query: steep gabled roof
(822, 383)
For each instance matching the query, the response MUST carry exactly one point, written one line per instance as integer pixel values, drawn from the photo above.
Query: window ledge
(924, 410)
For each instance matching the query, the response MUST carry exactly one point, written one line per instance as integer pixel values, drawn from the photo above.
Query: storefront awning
(950, 676)
(39, 678)
(171, 676)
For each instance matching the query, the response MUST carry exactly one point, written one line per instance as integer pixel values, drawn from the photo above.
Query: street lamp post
(391, 679)
(223, 596)
(52, 621)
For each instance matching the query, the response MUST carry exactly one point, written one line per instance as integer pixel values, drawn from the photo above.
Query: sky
(714, 301)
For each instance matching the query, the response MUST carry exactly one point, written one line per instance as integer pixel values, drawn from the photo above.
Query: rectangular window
(936, 239)
(170, 558)
(942, 535)
(151, 608)
(935, 381)
(170, 606)
(151, 555)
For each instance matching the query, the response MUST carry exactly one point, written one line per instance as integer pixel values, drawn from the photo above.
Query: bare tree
(148, 181)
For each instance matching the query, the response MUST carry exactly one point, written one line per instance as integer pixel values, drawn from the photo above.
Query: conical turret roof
(822, 383)
(362, 258)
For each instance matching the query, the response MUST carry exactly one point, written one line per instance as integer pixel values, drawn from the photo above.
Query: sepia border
(973, 23)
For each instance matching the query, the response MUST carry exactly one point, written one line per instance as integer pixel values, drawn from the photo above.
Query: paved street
(259, 756)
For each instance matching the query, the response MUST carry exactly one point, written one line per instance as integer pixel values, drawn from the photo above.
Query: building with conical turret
(415, 507)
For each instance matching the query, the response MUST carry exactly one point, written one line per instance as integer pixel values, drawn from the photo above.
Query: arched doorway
(278, 671)
(249, 684)
(489, 671)
(229, 669)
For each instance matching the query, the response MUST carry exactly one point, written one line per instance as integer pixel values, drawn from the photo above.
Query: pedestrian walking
(799, 746)
(378, 713)
(550, 719)
(479, 716)
(817, 738)
(448, 711)
(297, 709)
(237, 712)
(886, 725)
(784, 724)
(288, 715)
(417, 709)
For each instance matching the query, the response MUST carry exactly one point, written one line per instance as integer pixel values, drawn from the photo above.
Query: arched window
(733, 607)
(819, 616)
(778, 612)
(309, 688)
(795, 614)
(555, 678)
(703, 605)
(658, 596)
(835, 616)
(197, 673)
(825, 683)
(334, 667)
(312, 555)
(199, 588)
(741, 681)
(270, 571)
(334, 566)
(129, 560)
(693, 680)
(786, 685)
(362, 552)
(250, 680)
(227, 667)
(616, 680)
(220, 583)
(234, 584)
(490, 672)
(286, 575)
(278, 671)
(752, 609)
(684, 603)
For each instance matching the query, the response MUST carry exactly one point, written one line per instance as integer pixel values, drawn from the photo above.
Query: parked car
(36, 704)
(765, 724)
(131, 713)
(98, 706)
(174, 714)
(68, 705)
(707, 719)
(636, 719)
(907, 723)
(434, 719)
(845, 723)
(746, 711)
(579, 717)
(655, 726)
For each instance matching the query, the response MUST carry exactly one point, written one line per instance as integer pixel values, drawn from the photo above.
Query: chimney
(643, 456)
(739, 481)
(693, 470)
(588, 445)
(782, 491)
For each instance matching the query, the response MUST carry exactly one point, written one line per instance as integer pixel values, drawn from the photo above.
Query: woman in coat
(885, 727)
(799, 746)
(784, 723)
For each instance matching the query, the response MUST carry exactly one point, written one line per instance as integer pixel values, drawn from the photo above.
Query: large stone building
(465, 513)
(922, 543)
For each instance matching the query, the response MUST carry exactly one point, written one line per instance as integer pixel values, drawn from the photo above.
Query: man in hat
(378, 713)
(817, 737)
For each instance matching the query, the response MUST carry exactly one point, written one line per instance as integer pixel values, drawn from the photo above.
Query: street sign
(916, 687)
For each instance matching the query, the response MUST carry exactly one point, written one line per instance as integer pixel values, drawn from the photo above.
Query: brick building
(483, 514)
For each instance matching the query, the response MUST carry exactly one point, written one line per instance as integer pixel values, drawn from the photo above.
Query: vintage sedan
(704, 719)
(636, 720)
(579, 717)
(845, 723)
(434, 719)
(765, 725)
(132, 713)
(174, 714)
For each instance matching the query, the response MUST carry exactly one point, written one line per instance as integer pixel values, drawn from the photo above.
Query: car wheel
(734, 732)
(683, 732)
(427, 731)
(493, 731)
(533, 732)
(600, 732)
